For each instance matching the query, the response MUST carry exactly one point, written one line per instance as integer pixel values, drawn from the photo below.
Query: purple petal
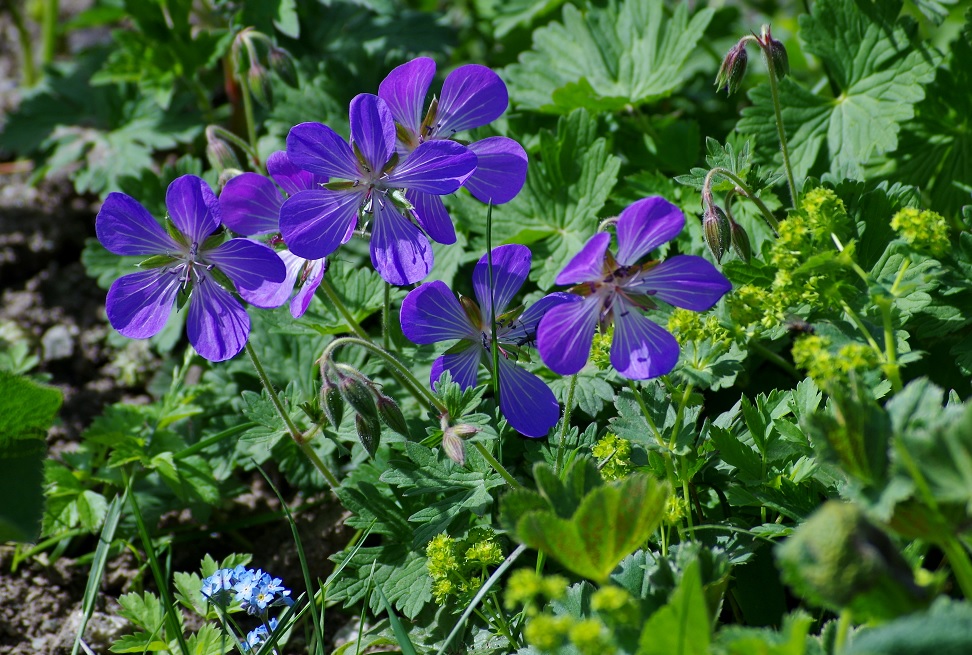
(405, 88)
(372, 129)
(524, 329)
(217, 324)
(274, 294)
(588, 264)
(686, 281)
(399, 251)
(290, 177)
(527, 403)
(645, 225)
(314, 273)
(124, 227)
(438, 167)
(193, 207)
(641, 349)
(432, 216)
(463, 365)
(250, 204)
(431, 313)
(472, 96)
(315, 222)
(320, 150)
(566, 333)
(138, 305)
(501, 168)
(511, 266)
(249, 265)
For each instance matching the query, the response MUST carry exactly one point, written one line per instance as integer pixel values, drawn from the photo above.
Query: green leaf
(612, 522)
(139, 642)
(27, 412)
(682, 626)
(936, 147)
(946, 628)
(878, 74)
(144, 610)
(606, 59)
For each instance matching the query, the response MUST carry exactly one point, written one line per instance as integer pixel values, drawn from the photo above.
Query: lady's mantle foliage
(251, 205)
(472, 96)
(618, 289)
(373, 179)
(187, 259)
(431, 313)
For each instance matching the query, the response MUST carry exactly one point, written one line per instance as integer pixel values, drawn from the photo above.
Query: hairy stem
(777, 110)
(292, 428)
(746, 191)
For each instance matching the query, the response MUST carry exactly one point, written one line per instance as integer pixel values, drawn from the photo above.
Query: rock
(58, 342)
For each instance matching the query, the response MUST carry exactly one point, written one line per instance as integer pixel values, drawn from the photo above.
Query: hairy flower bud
(740, 242)
(369, 433)
(391, 414)
(778, 58)
(282, 63)
(332, 403)
(258, 79)
(733, 68)
(715, 225)
(360, 396)
(453, 441)
(219, 153)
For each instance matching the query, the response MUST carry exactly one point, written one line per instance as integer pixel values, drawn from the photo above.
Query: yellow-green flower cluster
(616, 605)
(688, 326)
(459, 567)
(805, 232)
(613, 455)
(676, 508)
(548, 633)
(528, 588)
(814, 354)
(925, 231)
(601, 350)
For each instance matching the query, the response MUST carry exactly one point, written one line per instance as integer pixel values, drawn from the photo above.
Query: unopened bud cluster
(254, 55)
(733, 66)
(721, 231)
(344, 385)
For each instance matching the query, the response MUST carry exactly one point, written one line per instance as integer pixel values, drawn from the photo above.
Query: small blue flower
(260, 635)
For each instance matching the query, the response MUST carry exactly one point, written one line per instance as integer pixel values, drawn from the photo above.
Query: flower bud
(778, 58)
(219, 153)
(258, 79)
(740, 242)
(226, 176)
(369, 433)
(715, 225)
(282, 63)
(453, 441)
(733, 68)
(391, 414)
(332, 403)
(360, 396)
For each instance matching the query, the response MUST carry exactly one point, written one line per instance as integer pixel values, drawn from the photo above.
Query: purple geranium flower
(314, 222)
(251, 205)
(619, 289)
(183, 260)
(472, 96)
(431, 313)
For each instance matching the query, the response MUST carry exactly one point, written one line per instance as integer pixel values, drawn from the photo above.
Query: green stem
(958, 559)
(672, 442)
(292, 428)
(26, 42)
(488, 456)
(413, 386)
(890, 347)
(565, 425)
(216, 438)
(863, 328)
(49, 31)
(778, 111)
(342, 310)
(223, 133)
(248, 115)
(747, 192)
(385, 314)
(494, 351)
(843, 628)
